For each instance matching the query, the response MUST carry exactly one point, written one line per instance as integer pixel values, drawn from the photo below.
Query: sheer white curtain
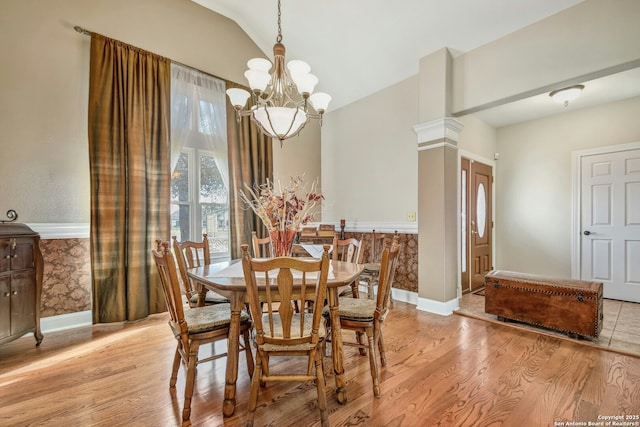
(198, 115)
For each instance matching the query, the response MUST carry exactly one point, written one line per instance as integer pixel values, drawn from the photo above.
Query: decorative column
(438, 218)
(438, 136)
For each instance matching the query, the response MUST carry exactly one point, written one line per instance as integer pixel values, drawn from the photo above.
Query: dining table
(227, 278)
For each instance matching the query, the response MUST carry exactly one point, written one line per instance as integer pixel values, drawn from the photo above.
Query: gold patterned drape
(129, 149)
(250, 161)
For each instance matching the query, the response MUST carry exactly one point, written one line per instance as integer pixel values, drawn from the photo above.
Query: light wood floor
(447, 371)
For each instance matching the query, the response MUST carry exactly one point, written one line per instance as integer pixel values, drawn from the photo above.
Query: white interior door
(610, 219)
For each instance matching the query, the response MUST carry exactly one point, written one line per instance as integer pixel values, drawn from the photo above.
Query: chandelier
(283, 101)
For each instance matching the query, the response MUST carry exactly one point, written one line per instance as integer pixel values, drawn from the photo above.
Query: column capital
(437, 133)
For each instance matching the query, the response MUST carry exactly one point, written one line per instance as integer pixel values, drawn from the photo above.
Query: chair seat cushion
(210, 317)
(210, 298)
(356, 308)
(371, 267)
(295, 331)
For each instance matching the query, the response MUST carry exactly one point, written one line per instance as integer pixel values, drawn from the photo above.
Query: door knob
(586, 233)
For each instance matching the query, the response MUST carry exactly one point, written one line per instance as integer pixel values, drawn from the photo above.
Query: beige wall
(477, 139)
(369, 157)
(299, 155)
(533, 182)
(44, 166)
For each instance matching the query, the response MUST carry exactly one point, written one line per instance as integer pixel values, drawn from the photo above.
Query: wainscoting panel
(67, 275)
(407, 272)
(66, 286)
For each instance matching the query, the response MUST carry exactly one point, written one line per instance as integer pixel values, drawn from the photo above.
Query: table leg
(336, 346)
(202, 295)
(229, 404)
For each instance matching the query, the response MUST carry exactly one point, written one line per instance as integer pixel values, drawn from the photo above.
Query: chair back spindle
(388, 267)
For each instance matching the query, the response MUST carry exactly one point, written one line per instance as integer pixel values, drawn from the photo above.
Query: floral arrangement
(282, 208)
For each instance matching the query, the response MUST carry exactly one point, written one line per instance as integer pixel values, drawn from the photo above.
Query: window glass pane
(180, 180)
(180, 222)
(206, 123)
(215, 221)
(214, 205)
(463, 219)
(481, 210)
(212, 189)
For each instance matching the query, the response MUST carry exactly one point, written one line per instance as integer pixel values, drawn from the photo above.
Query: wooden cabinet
(21, 267)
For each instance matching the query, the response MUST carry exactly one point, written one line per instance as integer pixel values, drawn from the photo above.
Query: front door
(477, 229)
(610, 220)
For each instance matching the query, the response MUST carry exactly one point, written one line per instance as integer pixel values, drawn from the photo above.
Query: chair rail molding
(380, 227)
(69, 230)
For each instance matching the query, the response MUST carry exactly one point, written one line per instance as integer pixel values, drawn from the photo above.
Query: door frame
(576, 192)
(476, 158)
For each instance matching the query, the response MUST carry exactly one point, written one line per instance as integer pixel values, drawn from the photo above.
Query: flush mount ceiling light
(282, 102)
(564, 95)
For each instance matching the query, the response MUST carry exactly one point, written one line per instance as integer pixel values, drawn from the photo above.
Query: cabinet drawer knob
(6, 294)
(15, 292)
(14, 256)
(7, 256)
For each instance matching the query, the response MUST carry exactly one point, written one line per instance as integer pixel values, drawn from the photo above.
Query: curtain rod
(82, 30)
(86, 32)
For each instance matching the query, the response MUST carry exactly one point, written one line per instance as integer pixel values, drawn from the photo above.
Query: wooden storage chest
(570, 306)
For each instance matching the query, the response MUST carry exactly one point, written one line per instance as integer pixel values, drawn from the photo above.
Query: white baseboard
(404, 296)
(397, 294)
(438, 307)
(66, 321)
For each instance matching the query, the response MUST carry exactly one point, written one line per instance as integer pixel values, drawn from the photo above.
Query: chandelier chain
(279, 38)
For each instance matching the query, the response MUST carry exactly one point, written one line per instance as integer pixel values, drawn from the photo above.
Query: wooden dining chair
(261, 246)
(348, 250)
(371, 270)
(279, 329)
(194, 326)
(191, 254)
(365, 316)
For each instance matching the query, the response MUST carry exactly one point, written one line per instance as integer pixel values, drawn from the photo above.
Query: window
(199, 182)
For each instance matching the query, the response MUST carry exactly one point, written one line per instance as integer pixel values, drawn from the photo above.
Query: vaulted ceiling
(358, 47)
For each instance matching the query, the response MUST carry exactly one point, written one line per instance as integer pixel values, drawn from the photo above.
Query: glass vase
(282, 242)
